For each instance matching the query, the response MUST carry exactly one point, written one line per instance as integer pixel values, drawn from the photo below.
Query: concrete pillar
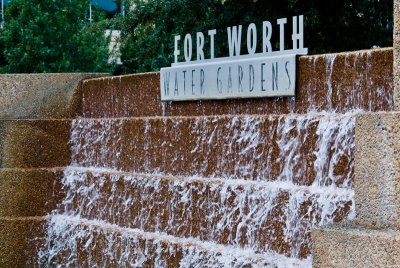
(377, 170)
(373, 239)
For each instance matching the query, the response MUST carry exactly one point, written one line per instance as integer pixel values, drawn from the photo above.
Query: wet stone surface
(334, 82)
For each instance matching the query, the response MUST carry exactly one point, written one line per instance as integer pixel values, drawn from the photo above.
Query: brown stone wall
(373, 240)
(340, 82)
(132, 248)
(244, 147)
(41, 95)
(20, 239)
(208, 209)
(29, 192)
(228, 144)
(34, 143)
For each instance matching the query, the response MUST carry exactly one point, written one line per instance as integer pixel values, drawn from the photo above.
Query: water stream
(216, 191)
(241, 206)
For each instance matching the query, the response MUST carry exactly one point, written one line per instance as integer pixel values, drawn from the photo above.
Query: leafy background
(56, 36)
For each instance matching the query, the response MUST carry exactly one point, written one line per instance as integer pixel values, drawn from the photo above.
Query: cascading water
(217, 191)
(262, 214)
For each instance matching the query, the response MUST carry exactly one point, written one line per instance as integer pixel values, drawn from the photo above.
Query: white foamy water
(358, 89)
(234, 212)
(102, 244)
(215, 191)
(269, 213)
(249, 147)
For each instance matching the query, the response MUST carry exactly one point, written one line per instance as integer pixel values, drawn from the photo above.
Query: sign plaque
(252, 75)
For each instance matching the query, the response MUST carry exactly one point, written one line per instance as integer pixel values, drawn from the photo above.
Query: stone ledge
(343, 246)
(341, 81)
(41, 95)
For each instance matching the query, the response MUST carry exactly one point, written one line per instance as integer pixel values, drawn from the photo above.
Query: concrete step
(29, 192)
(20, 240)
(34, 143)
(32, 96)
(86, 243)
(298, 148)
(341, 82)
(263, 216)
(350, 246)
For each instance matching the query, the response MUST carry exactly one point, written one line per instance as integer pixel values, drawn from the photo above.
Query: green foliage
(2, 59)
(330, 26)
(52, 36)
(147, 32)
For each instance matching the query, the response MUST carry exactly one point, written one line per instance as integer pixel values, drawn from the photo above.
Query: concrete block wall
(377, 169)
(351, 245)
(36, 150)
(34, 136)
(373, 239)
(127, 113)
(30, 96)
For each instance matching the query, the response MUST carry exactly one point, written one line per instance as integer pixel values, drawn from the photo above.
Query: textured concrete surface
(341, 82)
(20, 239)
(34, 143)
(355, 247)
(29, 192)
(396, 54)
(41, 95)
(245, 147)
(377, 169)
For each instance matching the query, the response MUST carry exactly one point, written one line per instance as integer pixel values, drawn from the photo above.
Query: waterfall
(237, 203)
(209, 191)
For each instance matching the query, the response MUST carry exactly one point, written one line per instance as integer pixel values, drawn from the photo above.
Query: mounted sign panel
(254, 75)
